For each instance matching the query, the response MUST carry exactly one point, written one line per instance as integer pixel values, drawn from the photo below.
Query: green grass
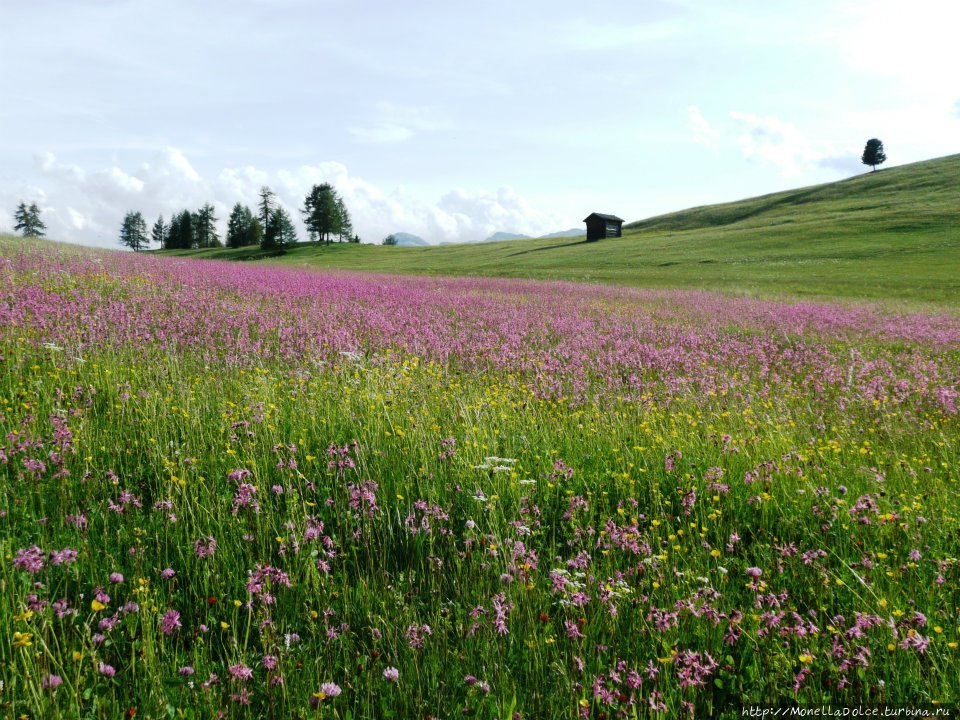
(889, 235)
(826, 462)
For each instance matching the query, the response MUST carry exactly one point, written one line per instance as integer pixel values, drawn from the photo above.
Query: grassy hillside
(893, 234)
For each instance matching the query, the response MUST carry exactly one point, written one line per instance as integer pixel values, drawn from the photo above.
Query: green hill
(893, 234)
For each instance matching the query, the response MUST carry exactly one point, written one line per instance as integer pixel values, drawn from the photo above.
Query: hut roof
(602, 217)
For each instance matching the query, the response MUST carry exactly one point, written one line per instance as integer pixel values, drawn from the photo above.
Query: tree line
(324, 213)
(325, 216)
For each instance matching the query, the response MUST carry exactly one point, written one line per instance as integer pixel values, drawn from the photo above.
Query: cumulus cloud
(458, 216)
(775, 141)
(703, 132)
(77, 219)
(87, 206)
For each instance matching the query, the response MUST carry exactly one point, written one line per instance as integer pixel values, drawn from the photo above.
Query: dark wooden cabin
(603, 226)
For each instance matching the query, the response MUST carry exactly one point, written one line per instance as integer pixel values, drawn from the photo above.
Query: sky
(453, 120)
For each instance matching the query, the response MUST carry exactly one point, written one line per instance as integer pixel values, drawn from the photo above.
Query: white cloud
(775, 141)
(77, 219)
(87, 206)
(458, 216)
(173, 163)
(116, 180)
(703, 132)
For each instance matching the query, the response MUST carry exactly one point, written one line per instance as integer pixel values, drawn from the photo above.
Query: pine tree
(173, 232)
(238, 226)
(159, 232)
(344, 224)
(271, 233)
(873, 154)
(133, 232)
(180, 234)
(38, 229)
(279, 232)
(287, 232)
(254, 233)
(320, 212)
(205, 227)
(27, 221)
(267, 201)
(21, 218)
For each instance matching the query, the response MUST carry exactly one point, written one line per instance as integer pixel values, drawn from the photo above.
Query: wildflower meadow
(236, 491)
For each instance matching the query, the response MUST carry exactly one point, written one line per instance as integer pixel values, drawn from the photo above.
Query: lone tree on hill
(873, 154)
(28, 222)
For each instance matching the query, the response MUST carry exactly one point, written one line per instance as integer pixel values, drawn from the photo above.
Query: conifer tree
(238, 226)
(344, 224)
(254, 233)
(27, 221)
(159, 232)
(180, 234)
(320, 212)
(267, 202)
(133, 232)
(205, 227)
(279, 232)
(287, 232)
(873, 154)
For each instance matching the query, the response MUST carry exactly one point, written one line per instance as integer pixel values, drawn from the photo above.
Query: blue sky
(454, 120)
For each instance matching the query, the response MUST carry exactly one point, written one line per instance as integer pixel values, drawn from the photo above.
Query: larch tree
(180, 234)
(133, 232)
(344, 224)
(279, 231)
(254, 232)
(159, 232)
(320, 212)
(27, 221)
(205, 227)
(267, 202)
(238, 226)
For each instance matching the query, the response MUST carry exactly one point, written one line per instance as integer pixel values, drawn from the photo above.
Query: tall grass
(294, 495)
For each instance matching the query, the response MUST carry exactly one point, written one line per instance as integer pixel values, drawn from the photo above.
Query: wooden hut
(603, 226)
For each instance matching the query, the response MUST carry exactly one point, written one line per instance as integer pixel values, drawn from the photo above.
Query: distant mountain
(572, 232)
(409, 240)
(498, 236)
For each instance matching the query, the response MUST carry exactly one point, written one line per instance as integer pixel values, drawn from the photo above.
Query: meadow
(889, 236)
(241, 491)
